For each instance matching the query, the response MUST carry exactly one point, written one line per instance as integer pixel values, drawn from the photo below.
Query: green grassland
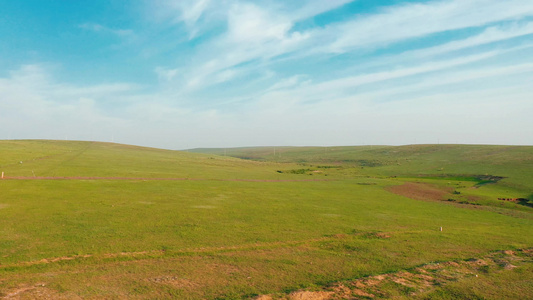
(452, 163)
(100, 220)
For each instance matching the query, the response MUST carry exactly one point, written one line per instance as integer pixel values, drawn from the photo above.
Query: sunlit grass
(214, 238)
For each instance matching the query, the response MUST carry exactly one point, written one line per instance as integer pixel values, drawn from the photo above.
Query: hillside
(513, 163)
(94, 159)
(102, 220)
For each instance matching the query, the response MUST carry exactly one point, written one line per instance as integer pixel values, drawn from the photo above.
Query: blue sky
(226, 73)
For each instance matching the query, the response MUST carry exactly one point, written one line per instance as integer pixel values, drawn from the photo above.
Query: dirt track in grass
(141, 254)
(411, 282)
(415, 281)
(154, 179)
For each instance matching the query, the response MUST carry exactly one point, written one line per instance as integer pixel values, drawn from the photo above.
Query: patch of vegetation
(487, 179)
(479, 179)
(299, 171)
(362, 162)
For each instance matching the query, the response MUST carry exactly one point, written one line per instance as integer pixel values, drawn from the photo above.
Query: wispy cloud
(316, 7)
(411, 21)
(490, 35)
(101, 28)
(356, 81)
(239, 72)
(253, 33)
(257, 34)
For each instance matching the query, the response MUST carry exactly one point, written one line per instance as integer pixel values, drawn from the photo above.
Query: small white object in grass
(441, 228)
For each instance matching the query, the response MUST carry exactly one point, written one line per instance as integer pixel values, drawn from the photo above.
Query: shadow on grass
(526, 201)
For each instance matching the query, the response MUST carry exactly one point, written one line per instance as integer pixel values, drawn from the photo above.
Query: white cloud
(191, 11)
(101, 28)
(321, 85)
(409, 21)
(249, 23)
(489, 35)
(257, 34)
(286, 83)
(36, 106)
(35, 74)
(398, 95)
(166, 74)
(254, 33)
(316, 7)
(187, 11)
(329, 90)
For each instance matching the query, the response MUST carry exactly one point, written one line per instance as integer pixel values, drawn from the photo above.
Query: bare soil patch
(37, 291)
(420, 191)
(434, 193)
(306, 295)
(417, 280)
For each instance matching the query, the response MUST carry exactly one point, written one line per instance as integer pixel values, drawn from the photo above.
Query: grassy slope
(515, 163)
(509, 161)
(263, 237)
(91, 159)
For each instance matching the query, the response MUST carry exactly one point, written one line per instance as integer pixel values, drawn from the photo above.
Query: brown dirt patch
(358, 292)
(50, 260)
(305, 295)
(37, 291)
(473, 198)
(420, 191)
(382, 235)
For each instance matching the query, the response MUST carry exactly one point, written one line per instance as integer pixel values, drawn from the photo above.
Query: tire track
(200, 250)
(156, 179)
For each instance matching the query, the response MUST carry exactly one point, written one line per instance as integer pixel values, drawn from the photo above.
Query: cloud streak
(237, 73)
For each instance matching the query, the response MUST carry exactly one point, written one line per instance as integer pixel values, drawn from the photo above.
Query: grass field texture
(99, 220)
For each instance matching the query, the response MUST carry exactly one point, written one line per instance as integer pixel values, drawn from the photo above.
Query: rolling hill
(100, 220)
